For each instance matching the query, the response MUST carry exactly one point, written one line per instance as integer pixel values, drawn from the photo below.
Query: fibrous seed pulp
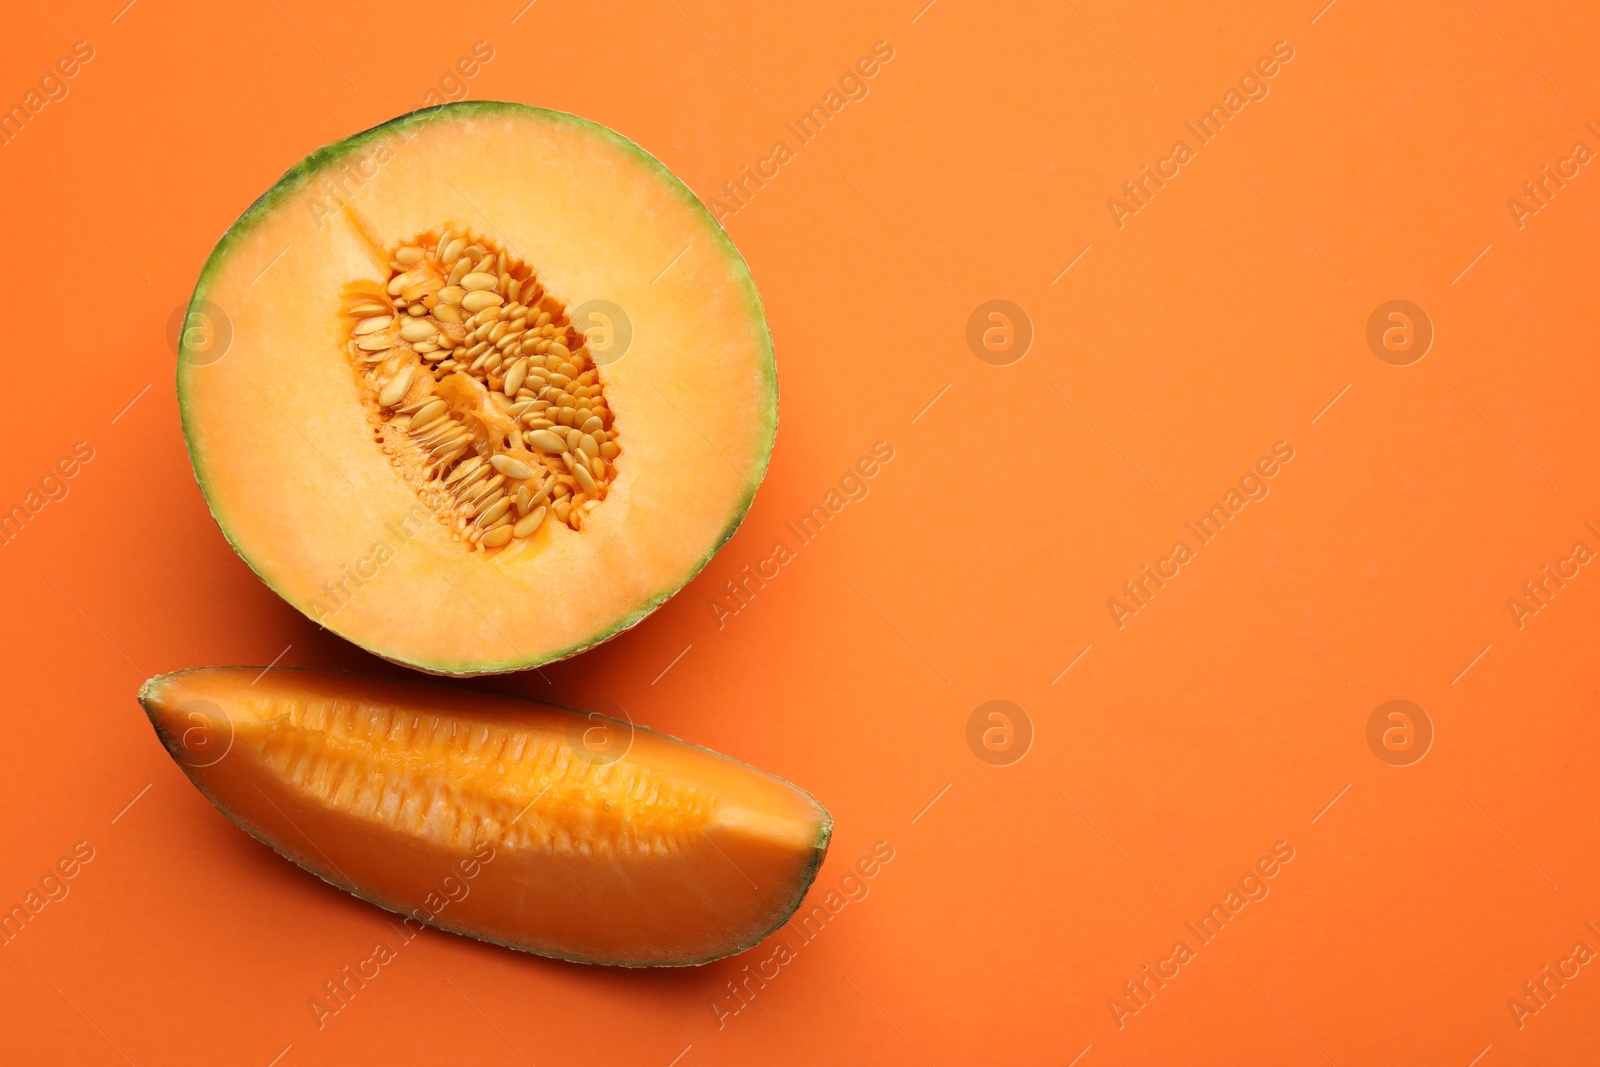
(480, 390)
(456, 780)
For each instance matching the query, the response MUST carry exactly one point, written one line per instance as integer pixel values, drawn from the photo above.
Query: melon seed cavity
(479, 390)
(444, 779)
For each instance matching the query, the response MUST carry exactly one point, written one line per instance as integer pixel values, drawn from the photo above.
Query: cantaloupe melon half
(479, 388)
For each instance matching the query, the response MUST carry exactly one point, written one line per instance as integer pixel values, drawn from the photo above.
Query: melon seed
(428, 412)
(497, 509)
(546, 440)
(516, 376)
(511, 468)
(486, 496)
(479, 299)
(466, 306)
(529, 523)
(391, 394)
(469, 486)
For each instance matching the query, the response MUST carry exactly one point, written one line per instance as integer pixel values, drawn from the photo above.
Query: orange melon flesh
(520, 823)
(278, 432)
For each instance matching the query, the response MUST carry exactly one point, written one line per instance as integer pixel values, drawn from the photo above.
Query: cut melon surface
(528, 825)
(494, 385)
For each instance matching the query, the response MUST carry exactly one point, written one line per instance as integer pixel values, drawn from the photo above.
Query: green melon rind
(803, 883)
(300, 175)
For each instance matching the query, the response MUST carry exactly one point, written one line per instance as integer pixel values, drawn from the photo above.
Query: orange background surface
(1229, 714)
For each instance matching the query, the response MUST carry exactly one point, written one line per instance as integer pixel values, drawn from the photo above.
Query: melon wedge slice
(528, 825)
(479, 388)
